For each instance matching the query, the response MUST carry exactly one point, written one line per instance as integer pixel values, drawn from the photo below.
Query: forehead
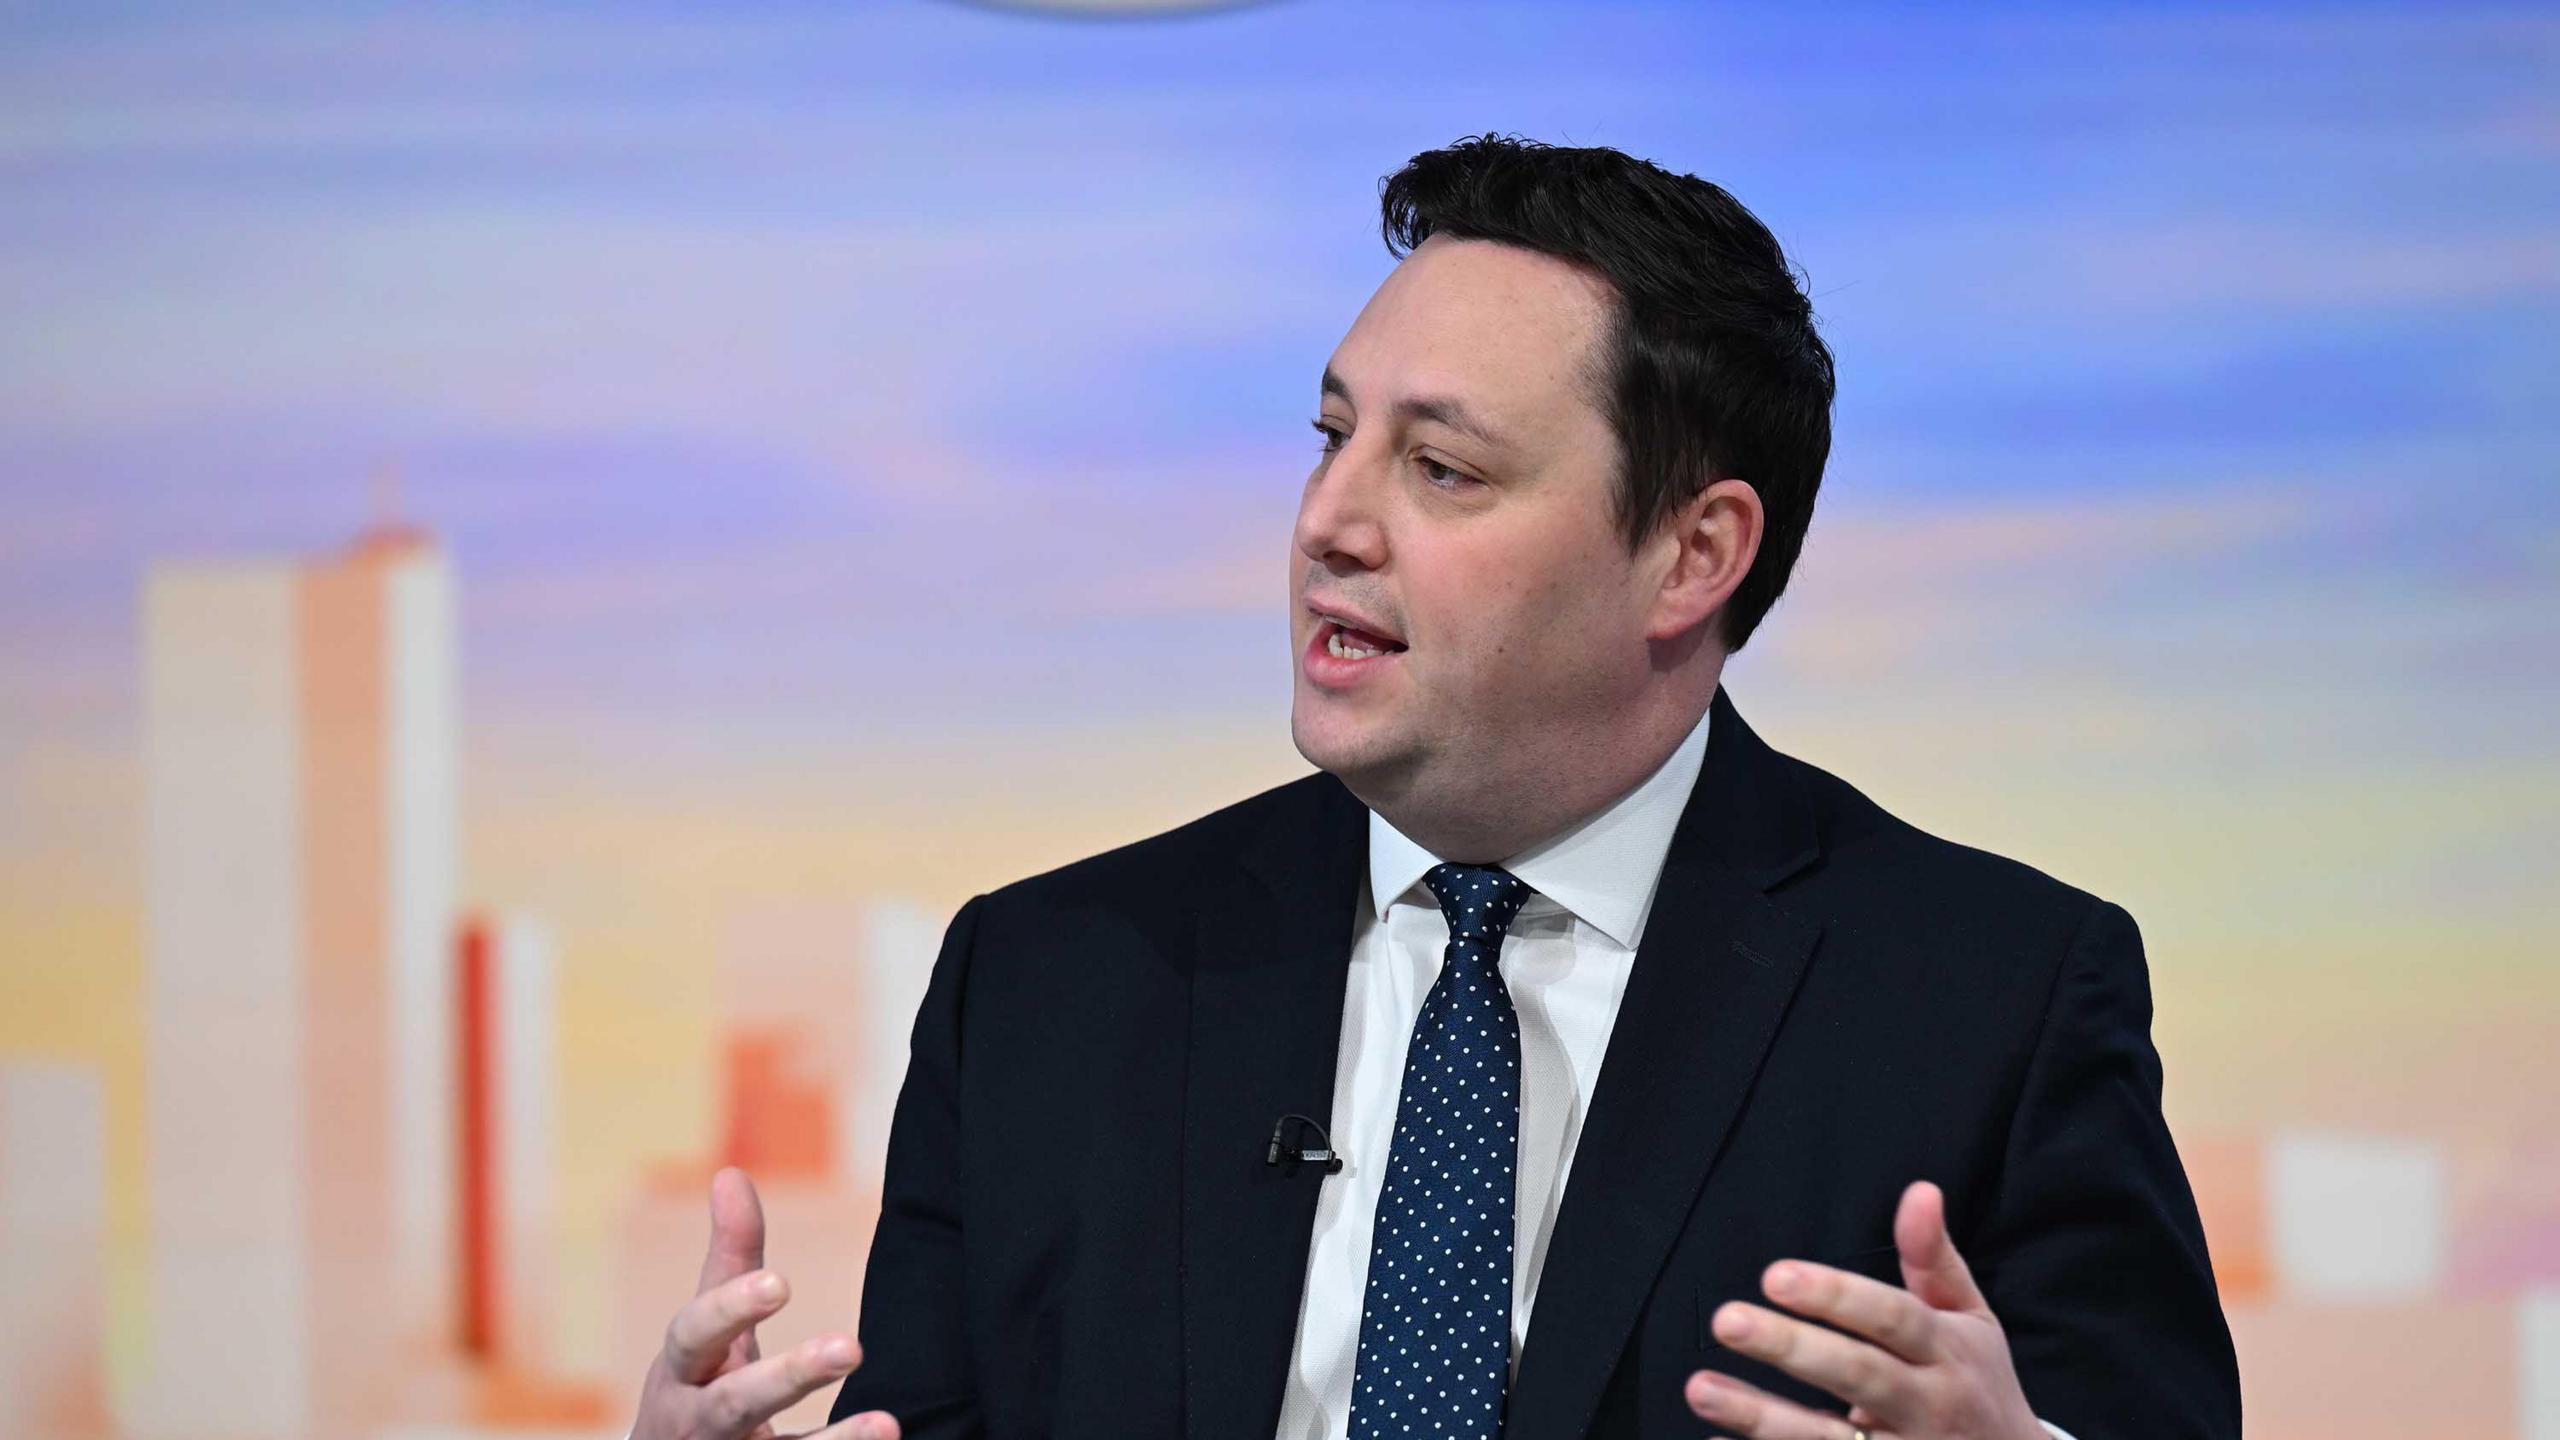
(1514, 332)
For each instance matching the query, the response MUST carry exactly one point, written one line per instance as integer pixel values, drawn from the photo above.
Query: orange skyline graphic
(302, 810)
(847, 461)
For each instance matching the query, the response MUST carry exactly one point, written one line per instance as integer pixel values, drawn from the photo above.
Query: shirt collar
(1603, 869)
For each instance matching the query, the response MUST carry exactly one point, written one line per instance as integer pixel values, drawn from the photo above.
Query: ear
(1703, 550)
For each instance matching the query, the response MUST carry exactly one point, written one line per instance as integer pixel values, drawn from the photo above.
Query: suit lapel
(1273, 956)
(1712, 976)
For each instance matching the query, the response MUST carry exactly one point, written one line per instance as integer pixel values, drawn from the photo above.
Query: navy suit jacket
(1080, 1237)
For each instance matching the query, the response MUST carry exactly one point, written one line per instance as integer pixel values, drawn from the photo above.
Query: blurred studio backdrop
(547, 549)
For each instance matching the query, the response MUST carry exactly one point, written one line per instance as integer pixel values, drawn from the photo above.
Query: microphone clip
(1321, 1153)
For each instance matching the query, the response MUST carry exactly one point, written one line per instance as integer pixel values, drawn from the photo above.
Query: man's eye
(1447, 479)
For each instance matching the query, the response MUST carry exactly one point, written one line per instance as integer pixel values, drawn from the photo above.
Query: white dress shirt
(1565, 960)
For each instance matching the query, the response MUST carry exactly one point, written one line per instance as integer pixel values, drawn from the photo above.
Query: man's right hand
(707, 1382)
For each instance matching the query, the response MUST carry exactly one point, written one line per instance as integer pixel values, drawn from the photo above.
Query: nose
(1338, 521)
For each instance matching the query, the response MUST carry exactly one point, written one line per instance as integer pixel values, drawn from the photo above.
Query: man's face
(1463, 518)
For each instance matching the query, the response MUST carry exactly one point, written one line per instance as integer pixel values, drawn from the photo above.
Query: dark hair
(1712, 366)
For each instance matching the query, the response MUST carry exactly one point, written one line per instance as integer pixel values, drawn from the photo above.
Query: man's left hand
(1924, 1363)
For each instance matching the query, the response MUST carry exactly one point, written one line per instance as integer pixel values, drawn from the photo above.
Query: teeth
(1344, 649)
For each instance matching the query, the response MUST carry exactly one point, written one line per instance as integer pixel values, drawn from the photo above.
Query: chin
(1319, 743)
(1337, 744)
(1367, 760)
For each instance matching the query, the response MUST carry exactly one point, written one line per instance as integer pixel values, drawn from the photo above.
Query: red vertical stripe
(479, 1169)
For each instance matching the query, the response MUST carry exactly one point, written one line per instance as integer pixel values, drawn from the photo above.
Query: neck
(1493, 823)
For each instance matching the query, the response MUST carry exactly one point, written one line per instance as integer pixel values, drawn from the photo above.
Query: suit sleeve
(2091, 1254)
(914, 1327)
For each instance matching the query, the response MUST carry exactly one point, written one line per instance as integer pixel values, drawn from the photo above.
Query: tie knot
(1480, 901)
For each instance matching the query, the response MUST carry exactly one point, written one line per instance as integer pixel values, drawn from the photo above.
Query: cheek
(1490, 631)
(1574, 619)
(1554, 593)
(1485, 611)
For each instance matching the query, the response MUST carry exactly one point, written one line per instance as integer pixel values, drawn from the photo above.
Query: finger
(1894, 1319)
(1930, 1264)
(1746, 1409)
(737, 1229)
(698, 1339)
(869, 1425)
(745, 1398)
(1851, 1369)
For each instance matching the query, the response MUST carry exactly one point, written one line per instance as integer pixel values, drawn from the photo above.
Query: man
(1559, 997)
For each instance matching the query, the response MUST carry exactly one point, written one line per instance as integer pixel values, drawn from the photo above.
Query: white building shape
(53, 1257)
(300, 851)
(2356, 1217)
(900, 941)
(2538, 1364)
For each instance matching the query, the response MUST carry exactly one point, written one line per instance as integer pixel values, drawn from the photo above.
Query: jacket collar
(1741, 807)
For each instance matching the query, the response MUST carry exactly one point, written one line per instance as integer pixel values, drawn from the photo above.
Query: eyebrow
(1445, 409)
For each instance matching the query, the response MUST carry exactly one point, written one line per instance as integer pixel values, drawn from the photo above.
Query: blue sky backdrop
(724, 332)
(799, 376)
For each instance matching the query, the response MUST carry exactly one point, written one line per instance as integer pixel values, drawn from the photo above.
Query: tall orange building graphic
(300, 837)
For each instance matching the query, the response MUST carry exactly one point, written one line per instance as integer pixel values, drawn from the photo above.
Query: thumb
(1931, 1268)
(737, 1229)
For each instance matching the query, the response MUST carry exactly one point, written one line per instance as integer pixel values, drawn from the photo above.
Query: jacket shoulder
(1148, 869)
(1899, 869)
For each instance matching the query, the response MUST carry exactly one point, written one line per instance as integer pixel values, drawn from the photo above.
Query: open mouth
(1345, 642)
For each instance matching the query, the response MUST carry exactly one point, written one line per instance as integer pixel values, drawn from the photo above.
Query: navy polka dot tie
(1435, 1333)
